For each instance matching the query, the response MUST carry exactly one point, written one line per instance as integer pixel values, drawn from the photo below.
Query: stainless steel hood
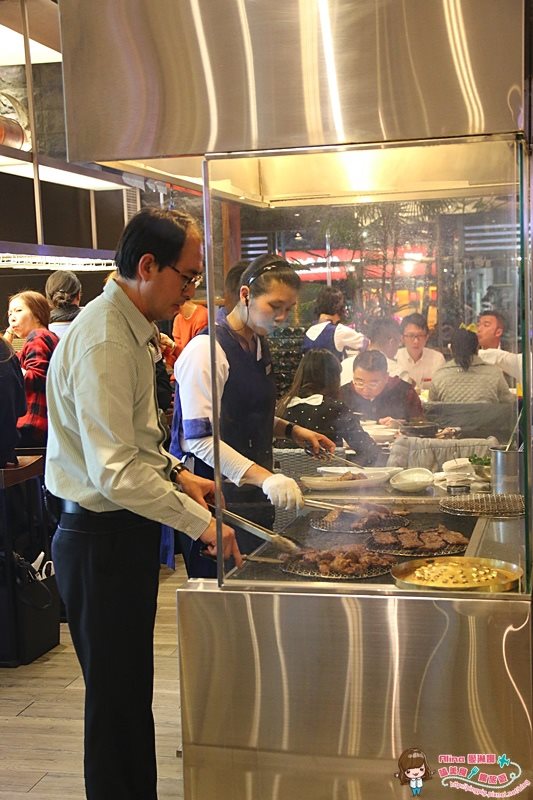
(151, 78)
(361, 175)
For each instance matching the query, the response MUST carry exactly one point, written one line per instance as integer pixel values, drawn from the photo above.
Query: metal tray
(391, 523)
(484, 505)
(458, 574)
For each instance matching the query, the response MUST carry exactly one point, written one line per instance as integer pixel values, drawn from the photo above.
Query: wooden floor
(41, 713)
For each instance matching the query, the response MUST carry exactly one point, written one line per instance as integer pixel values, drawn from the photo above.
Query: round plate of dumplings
(458, 574)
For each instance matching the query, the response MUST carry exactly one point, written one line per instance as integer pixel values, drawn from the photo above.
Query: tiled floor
(41, 712)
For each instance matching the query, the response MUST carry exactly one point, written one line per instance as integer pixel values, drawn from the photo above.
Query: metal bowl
(457, 573)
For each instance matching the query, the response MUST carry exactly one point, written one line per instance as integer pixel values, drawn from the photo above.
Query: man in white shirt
(418, 361)
(510, 363)
(385, 335)
(117, 484)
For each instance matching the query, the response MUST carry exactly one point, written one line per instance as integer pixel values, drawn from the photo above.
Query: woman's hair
(62, 288)
(260, 273)
(6, 351)
(36, 303)
(319, 372)
(464, 346)
(413, 758)
(330, 301)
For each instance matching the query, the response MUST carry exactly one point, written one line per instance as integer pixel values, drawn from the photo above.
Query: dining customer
(313, 402)
(12, 403)
(467, 378)
(490, 329)
(418, 362)
(246, 405)
(63, 292)
(117, 486)
(376, 395)
(29, 315)
(384, 335)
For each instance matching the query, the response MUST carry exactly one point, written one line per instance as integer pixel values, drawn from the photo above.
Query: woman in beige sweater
(466, 378)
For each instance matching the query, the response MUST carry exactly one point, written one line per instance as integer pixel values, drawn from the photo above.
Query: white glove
(283, 492)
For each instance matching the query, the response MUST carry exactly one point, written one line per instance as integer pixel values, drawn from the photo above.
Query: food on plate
(429, 540)
(351, 476)
(352, 560)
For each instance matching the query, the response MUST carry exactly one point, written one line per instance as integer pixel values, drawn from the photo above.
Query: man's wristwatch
(177, 470)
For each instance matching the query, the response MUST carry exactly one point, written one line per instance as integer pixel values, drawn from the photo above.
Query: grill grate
(392, 523)
(488, 505)
(293, 568)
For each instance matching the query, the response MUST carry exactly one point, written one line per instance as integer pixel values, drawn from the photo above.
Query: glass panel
(426, 238)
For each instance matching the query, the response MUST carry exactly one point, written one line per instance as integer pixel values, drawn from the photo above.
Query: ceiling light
(79, 179)
(12, 50)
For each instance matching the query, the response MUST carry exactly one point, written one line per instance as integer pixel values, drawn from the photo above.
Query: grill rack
(484, 505)
(391, 549)
(304, 572)
(392, 523)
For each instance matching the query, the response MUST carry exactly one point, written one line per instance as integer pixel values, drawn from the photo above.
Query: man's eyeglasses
(414, 336)
(194, 280)
(359, 384)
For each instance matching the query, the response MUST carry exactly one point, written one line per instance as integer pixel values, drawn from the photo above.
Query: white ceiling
(12, 49)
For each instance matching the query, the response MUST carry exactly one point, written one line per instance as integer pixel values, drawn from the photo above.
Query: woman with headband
(247, 396)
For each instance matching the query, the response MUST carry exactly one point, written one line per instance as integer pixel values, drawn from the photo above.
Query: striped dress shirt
(104, 440)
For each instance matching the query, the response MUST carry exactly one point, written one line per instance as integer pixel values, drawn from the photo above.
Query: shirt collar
(143, 330)
(312, 400)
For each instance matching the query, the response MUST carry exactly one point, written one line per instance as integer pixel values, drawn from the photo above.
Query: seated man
(490, 329)
(385, 335)
(415, 359)
(376, 395)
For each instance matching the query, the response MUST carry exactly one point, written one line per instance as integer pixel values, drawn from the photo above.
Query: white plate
(368, 471)
(413, 480)
(380, 434)
(332, 484)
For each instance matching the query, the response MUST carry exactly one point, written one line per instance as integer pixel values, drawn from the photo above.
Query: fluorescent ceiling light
(18, 261)
(60, 176)
(12, 50)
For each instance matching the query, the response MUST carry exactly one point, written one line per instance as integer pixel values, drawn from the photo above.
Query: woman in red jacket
(29, 315)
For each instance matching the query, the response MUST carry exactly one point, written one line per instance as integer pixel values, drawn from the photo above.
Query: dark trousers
(107, 568)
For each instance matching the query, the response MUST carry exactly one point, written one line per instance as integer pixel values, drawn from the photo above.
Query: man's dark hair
(371, 361)
(415, 319)
(153, 230)
(380, 330)
(502, 323)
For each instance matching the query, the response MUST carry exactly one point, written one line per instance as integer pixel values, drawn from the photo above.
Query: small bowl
(412, 480)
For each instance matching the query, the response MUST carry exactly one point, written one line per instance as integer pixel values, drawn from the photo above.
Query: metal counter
(294, 690)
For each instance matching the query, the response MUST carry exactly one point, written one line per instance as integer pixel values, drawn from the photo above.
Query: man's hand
(200, 489)
(312, 441)
(229, 542)
(166, 341)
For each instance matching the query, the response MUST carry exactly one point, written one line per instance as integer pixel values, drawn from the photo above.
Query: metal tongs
(325, 455)
(275, 539)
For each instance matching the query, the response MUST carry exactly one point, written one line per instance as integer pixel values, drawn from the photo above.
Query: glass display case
(331, 665)
(432, 229)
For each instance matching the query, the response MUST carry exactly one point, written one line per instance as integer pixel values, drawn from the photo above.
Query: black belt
(71, 507)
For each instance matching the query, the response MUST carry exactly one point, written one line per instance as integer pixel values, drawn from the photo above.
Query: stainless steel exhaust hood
(152, 78)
